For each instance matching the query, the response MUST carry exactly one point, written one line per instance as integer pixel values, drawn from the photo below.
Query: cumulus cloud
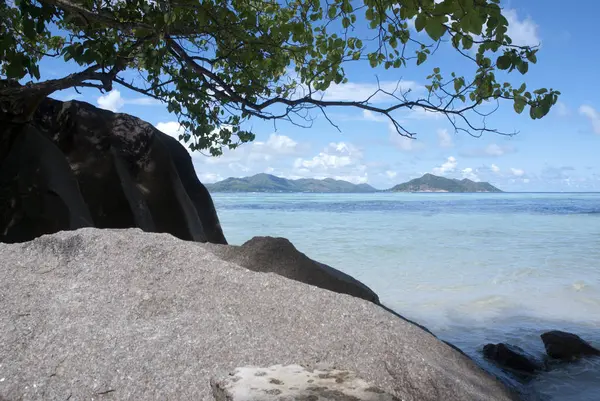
(172, 128)
(391, 174)
(339, 160)
(592, 115)
(114, 102)
(495, 168)
(449, 166)
(444, 138)
(111, 101)
(470, 173)
(260, 156)
(523, 32)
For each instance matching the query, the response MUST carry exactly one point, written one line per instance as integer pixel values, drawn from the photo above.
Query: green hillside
(433, 183)
(271, 183)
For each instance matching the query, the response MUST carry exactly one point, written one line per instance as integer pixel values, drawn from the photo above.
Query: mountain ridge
(270, 183)
(433, 183)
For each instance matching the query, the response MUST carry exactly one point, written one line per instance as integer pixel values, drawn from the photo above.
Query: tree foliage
(217, 63)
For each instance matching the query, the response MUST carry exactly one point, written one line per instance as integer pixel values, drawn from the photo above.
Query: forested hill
(271, 183)
(434, 183)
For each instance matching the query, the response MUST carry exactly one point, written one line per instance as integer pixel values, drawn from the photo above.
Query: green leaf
(467, 42)
(519, 104)
(420, 22)
(532, 57)
(523, 67)
(435, 29)
(503, 62)
(332, 11)
(458, 84)
(421, 57)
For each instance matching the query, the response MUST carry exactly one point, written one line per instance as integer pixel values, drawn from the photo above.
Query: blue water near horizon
(473, 268)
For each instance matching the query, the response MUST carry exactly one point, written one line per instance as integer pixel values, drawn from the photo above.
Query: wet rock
(512, 357)
(567, 346)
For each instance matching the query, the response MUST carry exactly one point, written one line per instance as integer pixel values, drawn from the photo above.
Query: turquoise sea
(473, 268)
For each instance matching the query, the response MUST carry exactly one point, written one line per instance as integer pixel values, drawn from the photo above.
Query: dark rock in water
(278, 255)
(128, 315)
(512, 357)
(567, 346)
(76, 165)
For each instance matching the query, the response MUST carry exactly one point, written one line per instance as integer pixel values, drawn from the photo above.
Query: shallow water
(473, 268)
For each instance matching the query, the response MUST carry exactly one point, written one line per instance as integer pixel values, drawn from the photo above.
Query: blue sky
(558, 153)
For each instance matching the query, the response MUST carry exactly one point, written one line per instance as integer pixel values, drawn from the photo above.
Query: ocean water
(473, 268)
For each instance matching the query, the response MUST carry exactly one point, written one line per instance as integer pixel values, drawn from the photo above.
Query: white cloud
(70, 96)
(279, 143)
(402, 142)
(143, 101)
(444, 138)
(391, 174)
(369, 115)
(592, 115)
(522, 32)
(336, 155)
(250, 158)
(111, 101)
(420, 113)
(358, 92)
(114, 102)
(210, 177)
(172, 128)
(448, 167)
(495, 168)
(491, 150)
(562, 110)
(517, 172)
(496, 150)
(342, 161)
(470, 174)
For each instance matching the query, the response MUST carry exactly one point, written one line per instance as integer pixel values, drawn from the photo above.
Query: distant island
(270, 183)
(433, 183)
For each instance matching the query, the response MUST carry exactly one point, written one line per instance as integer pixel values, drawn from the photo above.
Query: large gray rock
(126, 172)
(279, 255)
(122, 314)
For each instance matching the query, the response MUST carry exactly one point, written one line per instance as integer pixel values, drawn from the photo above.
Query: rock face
(278, 255)
(123, 314)
(294, 382)
(80, 166)
(567, 346)
(512, 357)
